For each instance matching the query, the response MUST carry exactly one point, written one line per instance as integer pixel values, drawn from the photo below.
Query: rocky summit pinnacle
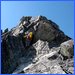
(50, 51)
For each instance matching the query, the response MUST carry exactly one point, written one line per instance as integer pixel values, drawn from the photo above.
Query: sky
(60, 12)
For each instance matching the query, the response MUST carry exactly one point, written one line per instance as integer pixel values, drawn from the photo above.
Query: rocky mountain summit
(50, 51)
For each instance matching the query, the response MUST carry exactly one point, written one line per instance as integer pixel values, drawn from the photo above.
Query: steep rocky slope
(51, 51)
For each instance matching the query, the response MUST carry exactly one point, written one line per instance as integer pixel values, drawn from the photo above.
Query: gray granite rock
(43, 51)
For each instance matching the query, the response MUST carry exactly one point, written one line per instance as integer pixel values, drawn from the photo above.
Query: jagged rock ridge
(47, 47)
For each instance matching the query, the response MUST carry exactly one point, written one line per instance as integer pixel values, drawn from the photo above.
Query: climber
(28, 38)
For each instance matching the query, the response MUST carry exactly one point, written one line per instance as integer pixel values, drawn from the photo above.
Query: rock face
(47, 52)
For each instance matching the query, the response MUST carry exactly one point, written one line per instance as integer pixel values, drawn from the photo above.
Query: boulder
(41, 47)
(67, 48)
(45, 32)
